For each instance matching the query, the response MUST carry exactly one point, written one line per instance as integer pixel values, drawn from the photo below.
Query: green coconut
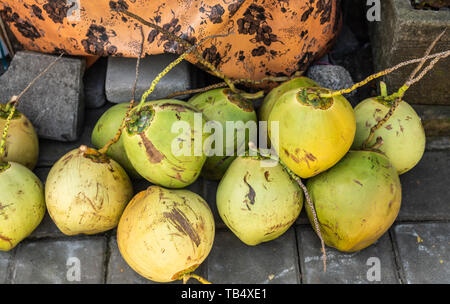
(105, 130)
(258, 200)
(22, 144)
(164, 141)
(356, 201)
(403, 134)
(222, 106)
(86, 192)
(22, 205)
(273, 96)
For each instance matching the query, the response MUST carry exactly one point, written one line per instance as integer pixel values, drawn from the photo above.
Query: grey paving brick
(435, 119)
(348, 268)
(121, 74)
(424, 252)
(425, 191)
(54, 104)
(233, 262)
(50, 261)
(5, 258)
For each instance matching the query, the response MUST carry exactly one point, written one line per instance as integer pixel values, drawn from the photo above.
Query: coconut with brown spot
(311, 133)
(22, 144)
(258, 200)
(22, 205)
(164, 144)
(165, 234)
(86, 192)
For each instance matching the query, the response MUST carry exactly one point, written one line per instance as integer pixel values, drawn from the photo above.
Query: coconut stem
(383, 73)
(182, 42)
(397, 96)
(383, 89)
(313, 211)
(297, 179)
(188, 276)
(380, 123)
(172, 65)
(161, 75)
(116, 137)
(5, 131)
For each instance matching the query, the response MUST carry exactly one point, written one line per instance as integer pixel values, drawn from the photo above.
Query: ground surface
(415, 250)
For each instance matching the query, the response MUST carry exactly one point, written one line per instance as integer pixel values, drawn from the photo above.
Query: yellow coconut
(313, 134)
(164, 233)
(22, 144)
(22, 205)
(86, 193)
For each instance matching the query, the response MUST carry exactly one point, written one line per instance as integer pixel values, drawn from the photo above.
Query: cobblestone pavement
(415, 250)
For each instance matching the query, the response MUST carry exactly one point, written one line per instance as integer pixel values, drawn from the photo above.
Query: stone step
(54, 104)
(423, 252)
(435, 119)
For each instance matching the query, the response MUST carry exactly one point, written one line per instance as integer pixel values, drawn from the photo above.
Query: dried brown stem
(116, 138)
(137, 67)
(380, 123)
(427, 52)
(314, 214)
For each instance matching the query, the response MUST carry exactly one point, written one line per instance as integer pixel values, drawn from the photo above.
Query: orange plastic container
(269, 37)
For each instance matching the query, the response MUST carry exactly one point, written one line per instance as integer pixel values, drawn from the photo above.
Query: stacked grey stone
(54, 104)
